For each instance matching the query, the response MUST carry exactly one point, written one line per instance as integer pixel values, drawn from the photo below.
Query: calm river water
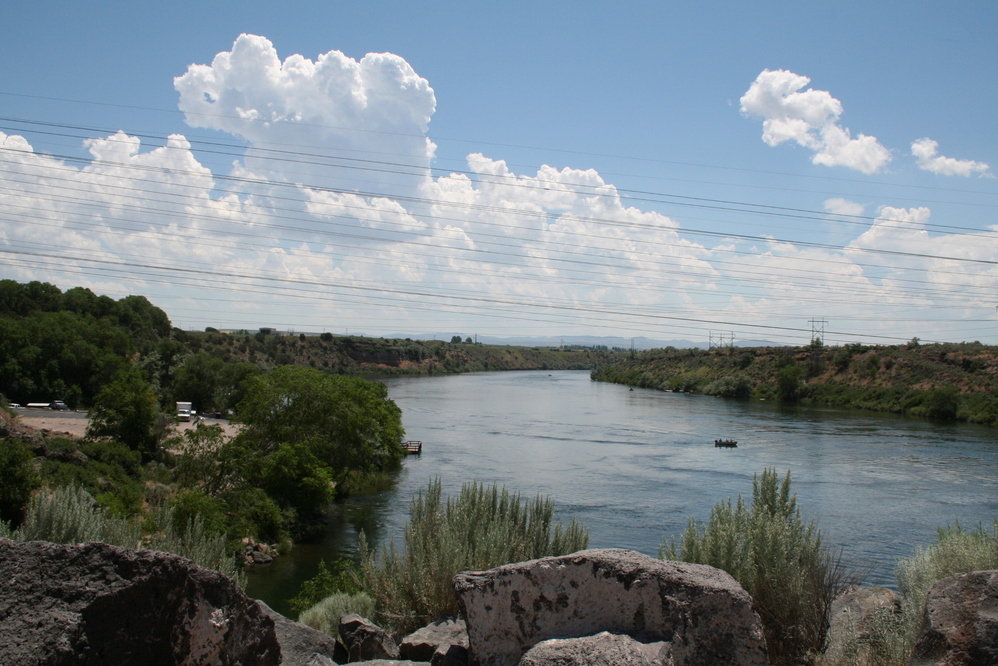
(633, 465)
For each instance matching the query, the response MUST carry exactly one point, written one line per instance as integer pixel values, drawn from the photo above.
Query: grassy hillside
(939, 381)
(382, 357)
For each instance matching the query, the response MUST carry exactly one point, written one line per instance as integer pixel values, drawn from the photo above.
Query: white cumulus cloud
(374, 109)
(926, 152)
(840, 206)
(810, 118)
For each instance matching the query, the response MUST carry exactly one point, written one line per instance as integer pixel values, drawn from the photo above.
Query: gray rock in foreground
(98, 604)
(960, 626)
(702, 611)
(440, 636)
(603, 649)
(365, 640)
(302, 645)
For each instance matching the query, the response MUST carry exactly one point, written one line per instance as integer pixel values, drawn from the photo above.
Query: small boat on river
(726, 443)
(412, 447)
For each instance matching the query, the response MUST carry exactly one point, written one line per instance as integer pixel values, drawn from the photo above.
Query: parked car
(15, 405)
(183, 415)
(58, 405)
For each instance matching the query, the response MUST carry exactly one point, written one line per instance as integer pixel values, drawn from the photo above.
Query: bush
(341, 576)
(730, 386)
(325, 615)
(18, 479)
(191, 504)
(253, 513)
(788, 383)
(888, 640)
(71, 515)
(108, 470)
(941, 404)
(195, 541)
(482, 528)
(955, 551)
(777, 558)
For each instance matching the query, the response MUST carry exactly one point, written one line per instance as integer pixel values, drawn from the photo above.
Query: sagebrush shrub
(325, 615)
(71, 515)
(777, 557)
(481, 528)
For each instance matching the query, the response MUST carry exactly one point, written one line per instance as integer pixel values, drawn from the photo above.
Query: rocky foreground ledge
(99, 604)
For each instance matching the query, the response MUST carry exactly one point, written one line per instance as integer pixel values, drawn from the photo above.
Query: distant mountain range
(611, 342)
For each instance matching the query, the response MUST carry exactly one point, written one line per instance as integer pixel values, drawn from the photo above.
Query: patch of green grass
(325, 615)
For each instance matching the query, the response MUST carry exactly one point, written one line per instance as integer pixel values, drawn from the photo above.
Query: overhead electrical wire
(963, 288)
(395, 168)
(644, 196)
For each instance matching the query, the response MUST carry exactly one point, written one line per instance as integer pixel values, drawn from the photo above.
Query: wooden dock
(412, 447)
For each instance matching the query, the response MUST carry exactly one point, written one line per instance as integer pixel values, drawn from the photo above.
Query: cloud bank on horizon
(335, 206)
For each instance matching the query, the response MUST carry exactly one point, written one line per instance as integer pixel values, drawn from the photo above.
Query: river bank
(633, 466)
(943, 382)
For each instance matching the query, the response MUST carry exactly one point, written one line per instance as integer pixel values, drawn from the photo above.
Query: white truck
(184, 411)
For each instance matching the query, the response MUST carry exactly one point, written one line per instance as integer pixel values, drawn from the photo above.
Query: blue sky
(672, 170)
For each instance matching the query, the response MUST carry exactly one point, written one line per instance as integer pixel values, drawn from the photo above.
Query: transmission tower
(817, 330)
(721, 339)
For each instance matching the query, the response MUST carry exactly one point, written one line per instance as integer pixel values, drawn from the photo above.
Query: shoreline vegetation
(941, 382)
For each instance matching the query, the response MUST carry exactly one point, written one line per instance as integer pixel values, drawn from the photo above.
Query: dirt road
(75, 423)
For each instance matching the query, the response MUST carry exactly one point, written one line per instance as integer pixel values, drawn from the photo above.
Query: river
(634, 465)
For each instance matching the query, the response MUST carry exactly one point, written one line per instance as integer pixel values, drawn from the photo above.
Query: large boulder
(440, 637)
(603, 649)
(960, 625)
(365, 640)
(702, 611)
(97, 604)
(302, 645)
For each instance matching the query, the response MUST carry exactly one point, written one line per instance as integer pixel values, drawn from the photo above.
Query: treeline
(70, 345)
(937, 381)
(384, 357)
(67, 346)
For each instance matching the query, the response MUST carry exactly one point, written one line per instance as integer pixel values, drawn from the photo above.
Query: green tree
(233, 382)
(348, 423)
(788, 383)
(198, 379)
(294, 477)
(942, 403)
(126, 410)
